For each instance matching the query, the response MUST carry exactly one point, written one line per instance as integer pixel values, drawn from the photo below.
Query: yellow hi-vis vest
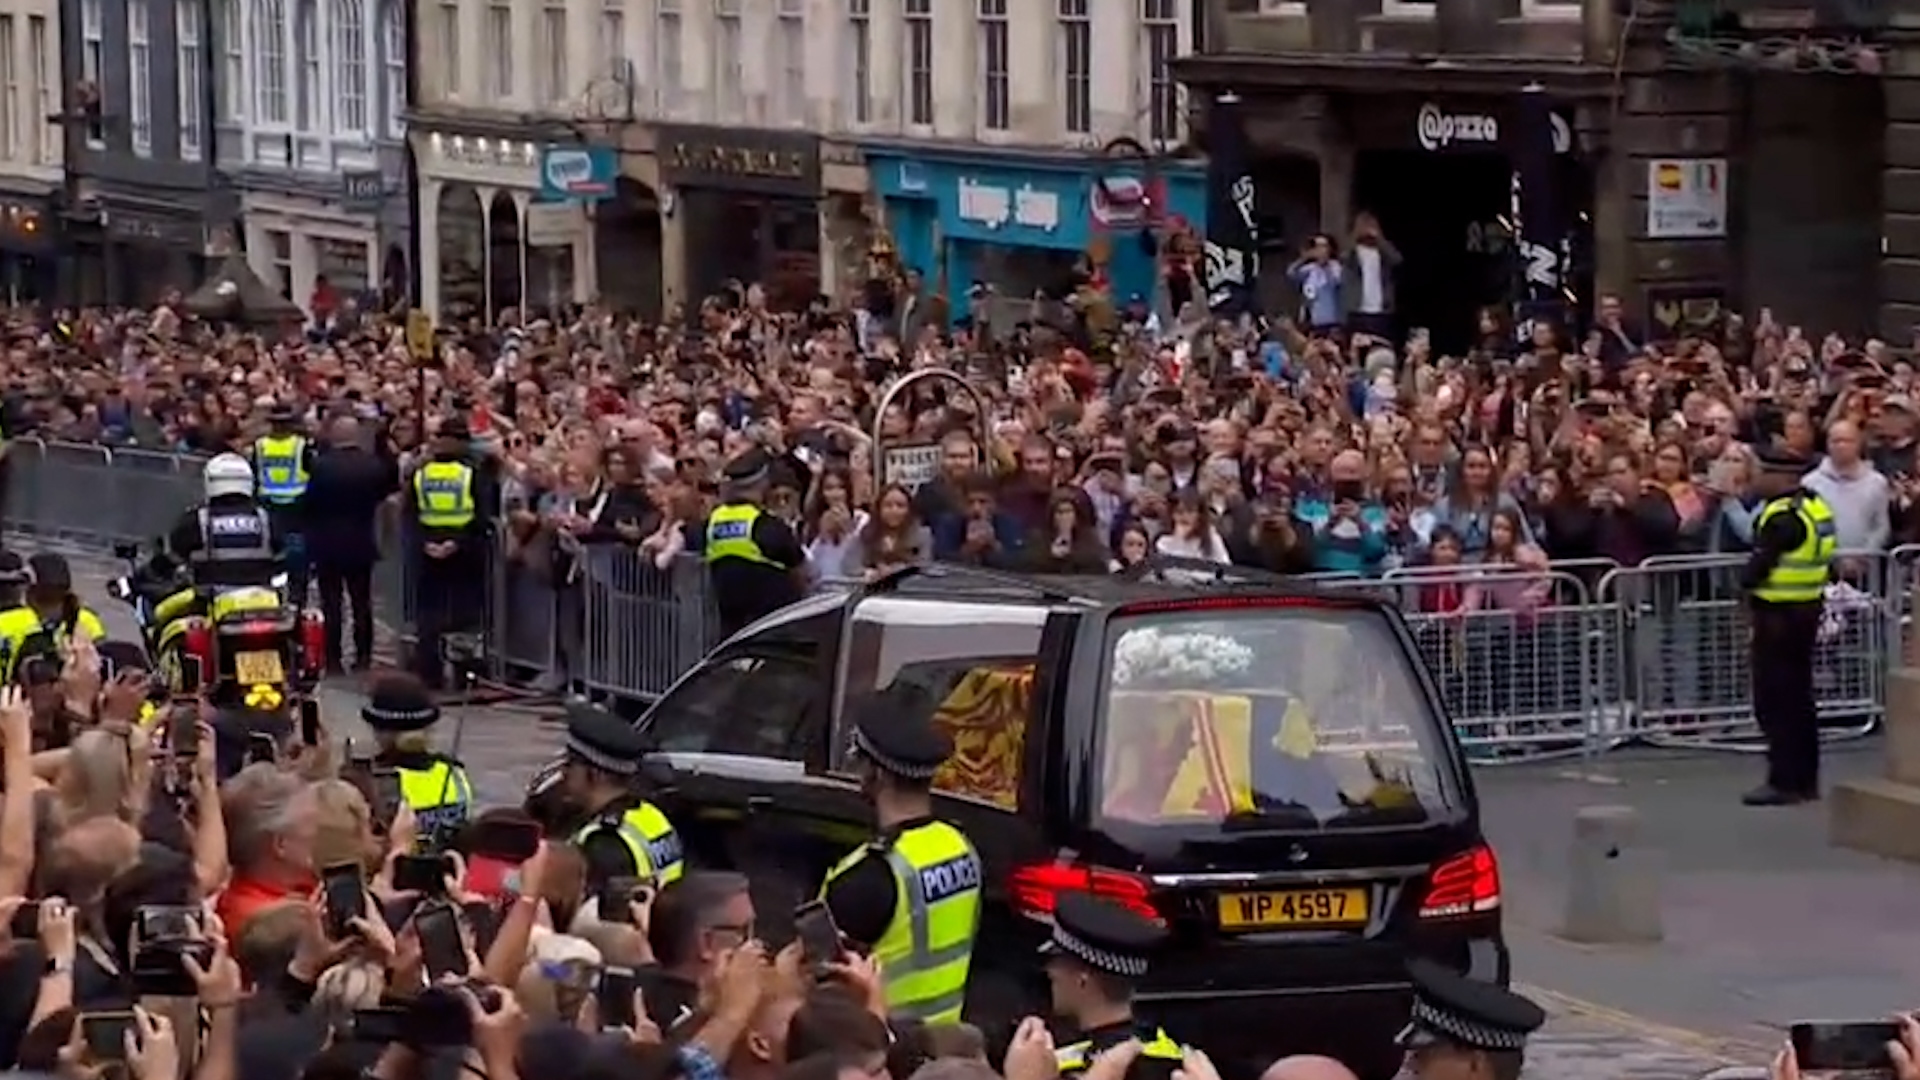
(1800, 577)
(441, 798)
(730, 534)
(1075, 1057)
(282, 461)
(928, 946)
(651, 838)
(443, 493)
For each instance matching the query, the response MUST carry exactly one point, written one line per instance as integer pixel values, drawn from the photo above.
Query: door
(1442, 210)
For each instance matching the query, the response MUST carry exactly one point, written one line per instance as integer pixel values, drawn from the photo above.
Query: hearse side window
(747, 705)
(972, 665)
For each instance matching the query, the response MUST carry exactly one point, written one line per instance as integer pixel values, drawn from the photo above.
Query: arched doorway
(462, 244)
(396, 277)
(627, 249)
(503, 244)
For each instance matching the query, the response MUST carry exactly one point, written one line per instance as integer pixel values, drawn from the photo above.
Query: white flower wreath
(1146, 656)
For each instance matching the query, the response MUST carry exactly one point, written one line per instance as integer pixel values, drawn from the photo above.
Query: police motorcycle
(251, 649)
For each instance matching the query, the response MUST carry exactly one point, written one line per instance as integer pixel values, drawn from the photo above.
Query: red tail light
(197, 641)
(1466, 884)
(1036, 889)
(313, 639)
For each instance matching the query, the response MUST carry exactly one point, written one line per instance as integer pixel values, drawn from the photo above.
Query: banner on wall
(1542, 233)
(1233, 253)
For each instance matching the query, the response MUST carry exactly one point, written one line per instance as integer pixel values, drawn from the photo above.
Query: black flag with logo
(1542, 234)
(1233, 252)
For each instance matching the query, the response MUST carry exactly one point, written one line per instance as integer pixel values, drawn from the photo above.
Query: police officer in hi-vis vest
(1098, 952)
(911, 896)
(400, 711)
(1794, 543)
(754, 560)
(450, 505)
(625, 835)
(282, 464)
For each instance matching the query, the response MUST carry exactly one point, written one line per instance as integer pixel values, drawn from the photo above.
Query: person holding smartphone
(897, 750)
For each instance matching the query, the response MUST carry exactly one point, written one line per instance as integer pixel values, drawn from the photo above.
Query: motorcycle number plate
(257, 667)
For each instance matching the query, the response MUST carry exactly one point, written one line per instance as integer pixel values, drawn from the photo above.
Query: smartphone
(386, 1024)
(193, 677)
(442, 948)
(613, 995)
(309, 722)
(25, 925)
(167, 922)
(383, 796)
(344, 894)
(106, 1033)
(819, 936)
(424, 874)
(183, 729)
(509, 839)
(261, 749)
(1843, 1045)
(616, 899)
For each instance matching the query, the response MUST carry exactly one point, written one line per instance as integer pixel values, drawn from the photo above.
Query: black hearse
(1265, 767)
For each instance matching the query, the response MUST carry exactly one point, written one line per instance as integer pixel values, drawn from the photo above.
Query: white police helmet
(227, 474)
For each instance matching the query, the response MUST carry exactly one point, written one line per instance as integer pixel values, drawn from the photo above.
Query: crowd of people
(1099, 444)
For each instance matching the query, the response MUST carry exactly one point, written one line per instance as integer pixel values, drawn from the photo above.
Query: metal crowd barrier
(1572, 660)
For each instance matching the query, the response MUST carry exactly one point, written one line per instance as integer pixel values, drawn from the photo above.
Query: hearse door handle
(757, 803)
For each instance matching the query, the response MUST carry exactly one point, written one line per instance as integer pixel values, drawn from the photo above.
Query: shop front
(491, 236)
(29, 269)
(744, 204)
(1022, 225)
(319, 242)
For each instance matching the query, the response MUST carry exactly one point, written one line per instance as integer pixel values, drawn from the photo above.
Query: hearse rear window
(1300, 717)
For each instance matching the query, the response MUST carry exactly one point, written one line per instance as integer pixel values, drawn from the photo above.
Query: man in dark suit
(347, 485)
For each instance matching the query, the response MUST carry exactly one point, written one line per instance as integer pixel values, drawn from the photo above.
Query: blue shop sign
(1000, 202)
(587, 173)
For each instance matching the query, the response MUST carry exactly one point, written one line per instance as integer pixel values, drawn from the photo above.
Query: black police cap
(1778, 460)
(749, 467)
(13, 568)
(399, 703)
(1103, 935)
(50, 571)
(282, 413)
(1452, 1009)
(601, 739)
(894, 730)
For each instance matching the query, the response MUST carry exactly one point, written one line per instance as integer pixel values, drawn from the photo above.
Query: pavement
(1764, 923)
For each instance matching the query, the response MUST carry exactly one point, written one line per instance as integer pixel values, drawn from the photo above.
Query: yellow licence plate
(1292, 908)
(260, 666)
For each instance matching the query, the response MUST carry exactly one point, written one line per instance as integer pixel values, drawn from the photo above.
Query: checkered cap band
(888, 763)
(377, 715)
(599, 758)
(1459, 1029)
(1092, 955)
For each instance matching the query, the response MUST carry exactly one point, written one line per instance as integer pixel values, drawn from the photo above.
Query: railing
(1568, 661)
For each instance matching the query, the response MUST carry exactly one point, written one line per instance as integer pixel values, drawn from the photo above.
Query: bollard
(1613, 887)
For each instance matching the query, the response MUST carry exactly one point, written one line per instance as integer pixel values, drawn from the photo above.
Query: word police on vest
(664, 850)
(235, 525)
(1437, 129)
(950, 878)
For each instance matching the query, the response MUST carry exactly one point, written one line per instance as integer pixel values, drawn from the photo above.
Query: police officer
(48, 616)
(449, 507)
(625, 835)
(1794, 542)
(1098, 952)
(13, 579)
(753, 558)
(283, 462)
(400, 710)
(911, 896)
(1463, 1028)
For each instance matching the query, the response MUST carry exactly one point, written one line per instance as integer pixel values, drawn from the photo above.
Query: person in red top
(270, 833)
